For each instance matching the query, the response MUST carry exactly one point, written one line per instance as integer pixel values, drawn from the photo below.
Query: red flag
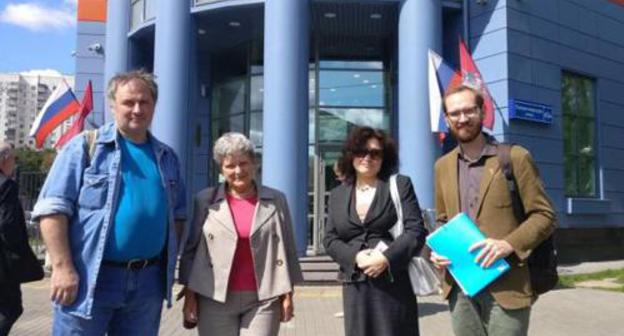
(472, 77)
(85, 108)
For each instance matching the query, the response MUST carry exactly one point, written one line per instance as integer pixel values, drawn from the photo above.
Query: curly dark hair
(356, 142)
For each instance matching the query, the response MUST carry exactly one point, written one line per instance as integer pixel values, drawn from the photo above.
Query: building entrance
(343, 94)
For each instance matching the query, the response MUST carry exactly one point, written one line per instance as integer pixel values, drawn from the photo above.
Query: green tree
(30, 160)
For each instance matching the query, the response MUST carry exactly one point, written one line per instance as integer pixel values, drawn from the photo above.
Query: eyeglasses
(468, 112)
(374, 153)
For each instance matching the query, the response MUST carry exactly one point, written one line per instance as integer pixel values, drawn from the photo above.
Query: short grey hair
(232, 143)
(146, 78)
(6, 150)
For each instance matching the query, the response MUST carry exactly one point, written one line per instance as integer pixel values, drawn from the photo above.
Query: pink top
(242, 276)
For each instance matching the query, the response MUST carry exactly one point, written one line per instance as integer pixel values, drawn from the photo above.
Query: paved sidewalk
(565, 312)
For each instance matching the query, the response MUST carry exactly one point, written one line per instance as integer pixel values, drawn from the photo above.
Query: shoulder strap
(504, 160)
(90, 137)
(397, 229)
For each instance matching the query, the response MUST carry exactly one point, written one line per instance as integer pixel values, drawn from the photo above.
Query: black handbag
(21, 267)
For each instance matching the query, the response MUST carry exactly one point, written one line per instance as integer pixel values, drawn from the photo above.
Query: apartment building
(22, 96)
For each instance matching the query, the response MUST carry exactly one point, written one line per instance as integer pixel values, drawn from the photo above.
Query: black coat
(13, 234)
(346, 235)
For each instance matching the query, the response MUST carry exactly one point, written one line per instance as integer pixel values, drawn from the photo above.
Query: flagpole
(466, 27)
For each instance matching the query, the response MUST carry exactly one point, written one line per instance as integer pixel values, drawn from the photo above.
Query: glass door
(323, 180)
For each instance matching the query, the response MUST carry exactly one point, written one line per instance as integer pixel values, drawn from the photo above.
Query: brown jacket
(207, 258)
(496, 220)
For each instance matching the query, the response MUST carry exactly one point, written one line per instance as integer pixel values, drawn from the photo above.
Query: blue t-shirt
(140, 222)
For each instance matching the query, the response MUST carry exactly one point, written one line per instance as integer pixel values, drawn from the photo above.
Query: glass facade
(579, 135)
(342, 94)
(350, 93)
(346, 94)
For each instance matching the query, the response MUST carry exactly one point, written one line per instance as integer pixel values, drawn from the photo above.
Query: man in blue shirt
(111, 212)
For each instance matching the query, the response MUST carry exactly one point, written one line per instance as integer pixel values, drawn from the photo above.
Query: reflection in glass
(312, 88)
(312, 126)
(255, 128)
(150, 9)
(578, 116)
(199, 2)
(237, 123)
(256, 96)
(229, 98)
(336, 123)
(136, 13)
(371, 65)
(233, 123)
(330, 156)
(351, 88)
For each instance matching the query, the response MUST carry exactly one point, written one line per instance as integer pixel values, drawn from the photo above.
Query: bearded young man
(469, 179)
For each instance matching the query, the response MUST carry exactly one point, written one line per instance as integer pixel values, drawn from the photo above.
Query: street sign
(530, 111)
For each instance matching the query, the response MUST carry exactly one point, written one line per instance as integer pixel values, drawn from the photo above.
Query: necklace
(365, 187)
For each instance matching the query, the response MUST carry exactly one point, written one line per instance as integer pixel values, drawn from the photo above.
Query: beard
(467, 133)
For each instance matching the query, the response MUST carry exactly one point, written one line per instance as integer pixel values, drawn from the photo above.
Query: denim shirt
(87, 193)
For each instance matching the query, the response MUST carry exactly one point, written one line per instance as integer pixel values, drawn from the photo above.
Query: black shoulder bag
(543, 259)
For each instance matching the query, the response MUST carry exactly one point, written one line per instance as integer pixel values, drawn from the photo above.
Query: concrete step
(319, 267)
(319, 270)
(320, 278)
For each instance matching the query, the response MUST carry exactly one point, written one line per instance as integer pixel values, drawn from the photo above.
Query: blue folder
(452, 240)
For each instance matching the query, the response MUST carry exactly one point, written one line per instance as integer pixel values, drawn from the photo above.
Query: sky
(37, 35)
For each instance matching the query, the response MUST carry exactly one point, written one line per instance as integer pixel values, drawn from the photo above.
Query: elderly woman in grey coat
(239, 265)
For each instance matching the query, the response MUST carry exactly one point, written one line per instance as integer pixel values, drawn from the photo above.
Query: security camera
(96, 48)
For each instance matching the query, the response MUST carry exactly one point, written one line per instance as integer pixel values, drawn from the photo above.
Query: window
(579, 135)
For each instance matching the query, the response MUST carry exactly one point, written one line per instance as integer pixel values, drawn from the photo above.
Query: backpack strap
(504, 161)
(90, 137)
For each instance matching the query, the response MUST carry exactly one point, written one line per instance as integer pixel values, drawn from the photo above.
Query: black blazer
(346, 235)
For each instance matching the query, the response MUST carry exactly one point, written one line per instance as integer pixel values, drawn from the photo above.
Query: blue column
(420, 29)
(171, 63)
(285, 121)
(199, 160)
(116, 48)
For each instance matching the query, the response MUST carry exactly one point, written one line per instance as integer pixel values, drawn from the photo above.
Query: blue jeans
(127, 302)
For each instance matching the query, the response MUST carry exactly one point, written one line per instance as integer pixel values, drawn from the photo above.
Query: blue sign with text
(525, 110)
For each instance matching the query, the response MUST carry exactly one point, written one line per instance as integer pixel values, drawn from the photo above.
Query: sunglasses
(372, 153)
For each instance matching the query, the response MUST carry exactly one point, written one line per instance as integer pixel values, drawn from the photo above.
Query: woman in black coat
(13, 243)
(377, 296)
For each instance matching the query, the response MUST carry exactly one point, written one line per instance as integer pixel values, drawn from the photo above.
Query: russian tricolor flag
(61, 105)
(441, 77)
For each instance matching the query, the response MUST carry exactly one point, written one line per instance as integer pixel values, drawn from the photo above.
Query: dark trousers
(10, 306)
